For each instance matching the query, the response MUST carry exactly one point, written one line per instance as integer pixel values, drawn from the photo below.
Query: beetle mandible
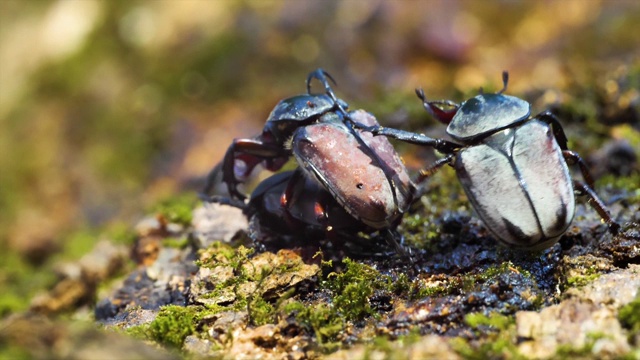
(513, 167)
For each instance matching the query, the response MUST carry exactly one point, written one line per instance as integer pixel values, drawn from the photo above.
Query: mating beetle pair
(347, 180)
(512, 167)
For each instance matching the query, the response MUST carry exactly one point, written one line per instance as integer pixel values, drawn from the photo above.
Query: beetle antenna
(505, 81)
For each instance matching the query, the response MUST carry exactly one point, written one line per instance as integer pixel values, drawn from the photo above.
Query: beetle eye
(360, 186)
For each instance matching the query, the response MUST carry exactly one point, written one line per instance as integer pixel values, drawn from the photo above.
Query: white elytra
(519, 183)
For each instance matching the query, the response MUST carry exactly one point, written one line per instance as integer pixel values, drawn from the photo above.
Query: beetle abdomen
(519, 184)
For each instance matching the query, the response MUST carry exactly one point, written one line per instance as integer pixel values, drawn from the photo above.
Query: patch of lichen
(221, 254)
(578, 271)
(496, 338)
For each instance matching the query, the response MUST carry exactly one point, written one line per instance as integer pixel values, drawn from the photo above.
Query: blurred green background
(107, 107)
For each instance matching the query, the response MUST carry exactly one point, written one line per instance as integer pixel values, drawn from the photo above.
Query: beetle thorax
(485, 114)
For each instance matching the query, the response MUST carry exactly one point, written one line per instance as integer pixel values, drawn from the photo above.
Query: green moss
(627, 183)
(497, 338)
(629, 315)
(353, 288)
(399, 349)
(566, 351)
(121, 233)
(417, 289)
(470, 281)
(14, 352)
(222, 254)
(581, 280)
(177, 209)
(494, 321)
(180, 243)
(20, 280)
(320, 319)
(420, 230)
(172, 325)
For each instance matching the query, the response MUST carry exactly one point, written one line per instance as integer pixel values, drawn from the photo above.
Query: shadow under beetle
(341, 171)
(512, 167)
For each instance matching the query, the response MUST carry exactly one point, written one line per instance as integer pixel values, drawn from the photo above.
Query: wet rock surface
(203, 288)
(462, 295)
(588, 318)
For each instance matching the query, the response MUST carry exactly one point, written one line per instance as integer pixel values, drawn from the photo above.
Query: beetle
(289, 206)
(513, 167)
(362, 174)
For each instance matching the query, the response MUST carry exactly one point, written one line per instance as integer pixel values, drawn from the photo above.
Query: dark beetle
(362, 174)
(290, 204)
(513, 168)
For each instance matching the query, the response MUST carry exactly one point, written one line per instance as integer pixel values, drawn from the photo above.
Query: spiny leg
(255, 151)
(573, 158)
(433, 168)
(596, 203)
(441, 145)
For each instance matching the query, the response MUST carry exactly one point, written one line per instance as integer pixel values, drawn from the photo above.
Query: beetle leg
(428, 172)
(573, 158)
(211, 180)
(255, 151)
(558, 132)
(224, 201)
(441, 145)
(391, 237)
(597, 205)
(287, 197)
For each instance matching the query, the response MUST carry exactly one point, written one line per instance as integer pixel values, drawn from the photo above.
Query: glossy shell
(519, 184)
(301, 107)
(330, 153)
(485, 114)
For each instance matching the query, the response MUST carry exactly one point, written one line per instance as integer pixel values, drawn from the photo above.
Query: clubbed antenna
(505, 81)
